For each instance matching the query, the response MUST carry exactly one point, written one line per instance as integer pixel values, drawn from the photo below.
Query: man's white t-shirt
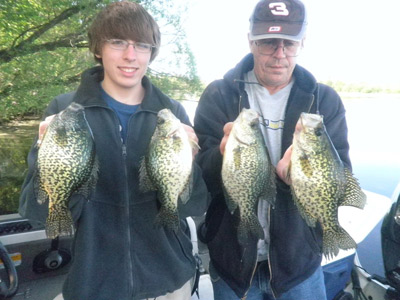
(271, 109)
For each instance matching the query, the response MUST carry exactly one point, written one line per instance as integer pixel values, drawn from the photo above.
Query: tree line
(44, 50)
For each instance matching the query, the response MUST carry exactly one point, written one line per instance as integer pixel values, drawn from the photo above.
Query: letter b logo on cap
(278, 9)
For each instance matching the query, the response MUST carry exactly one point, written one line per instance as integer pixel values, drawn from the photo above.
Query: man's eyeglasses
(269, 46)
(118, 44)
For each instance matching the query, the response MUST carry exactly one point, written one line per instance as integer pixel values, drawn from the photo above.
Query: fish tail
(168, 218)
(249, 227)
(59, 223)
(335, 239)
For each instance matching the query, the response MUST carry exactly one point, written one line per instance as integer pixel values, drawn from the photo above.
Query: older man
(286, 264)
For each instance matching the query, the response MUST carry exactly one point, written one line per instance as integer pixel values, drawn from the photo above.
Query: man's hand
(282, 168)
(227, 130)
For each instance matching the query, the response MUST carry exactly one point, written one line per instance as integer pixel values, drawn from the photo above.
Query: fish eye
(254, 123)
(318, 131)
(160, 121)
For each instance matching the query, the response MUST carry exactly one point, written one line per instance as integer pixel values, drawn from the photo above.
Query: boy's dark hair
(124, 20)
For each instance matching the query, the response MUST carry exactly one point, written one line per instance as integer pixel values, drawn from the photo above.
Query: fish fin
(269, 193)
(42, 196)
(249, 228)
(59, 223)
(288, 178)
(40, 193)
(39, 142)
(335, 239)
(187, 191)
(88, 186)
(167, 218)
(306, 167)
(354, 196)
(230, 203)
(145, 183)
(194, 144)
(94, 176)
(310, 221)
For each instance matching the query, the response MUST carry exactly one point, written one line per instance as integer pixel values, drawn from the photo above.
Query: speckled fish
(321, 183)
(66, 164)
(247, 174)
(167, 168)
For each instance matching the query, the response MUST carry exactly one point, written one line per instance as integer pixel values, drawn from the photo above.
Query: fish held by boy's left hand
(167, 168)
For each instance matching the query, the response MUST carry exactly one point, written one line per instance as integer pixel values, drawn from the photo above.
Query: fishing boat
(345, 276)
(35, 267)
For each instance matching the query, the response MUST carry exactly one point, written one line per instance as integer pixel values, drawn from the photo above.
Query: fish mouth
(310, 120)
(73, 109)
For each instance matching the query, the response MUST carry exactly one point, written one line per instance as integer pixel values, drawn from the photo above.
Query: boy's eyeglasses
(118, 44)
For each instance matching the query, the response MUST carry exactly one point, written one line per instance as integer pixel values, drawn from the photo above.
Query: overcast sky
(352, 41)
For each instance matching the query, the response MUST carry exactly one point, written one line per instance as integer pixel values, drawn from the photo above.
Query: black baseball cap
(278, 19)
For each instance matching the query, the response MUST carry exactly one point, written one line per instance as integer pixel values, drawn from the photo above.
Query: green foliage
(43, 51)
(31, 81)
(361, 88)
(178, 88)
(15, 142)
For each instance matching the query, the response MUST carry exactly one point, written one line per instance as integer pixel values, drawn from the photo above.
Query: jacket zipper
(124, 156)
(251, 281)
(269, 257)
(130, 284)
(269, 267)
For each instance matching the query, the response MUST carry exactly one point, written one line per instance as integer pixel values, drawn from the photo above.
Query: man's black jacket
(295, 248)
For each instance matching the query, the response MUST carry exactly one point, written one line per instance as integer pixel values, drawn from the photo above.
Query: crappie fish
(321, 183)
(167, 168)
(247, 174)
(66, 164)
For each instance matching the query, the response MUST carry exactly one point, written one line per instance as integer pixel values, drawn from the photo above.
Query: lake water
(374, 126)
